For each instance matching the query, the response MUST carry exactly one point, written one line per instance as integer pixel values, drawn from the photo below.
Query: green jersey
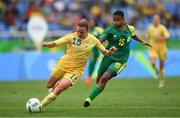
(119, 39)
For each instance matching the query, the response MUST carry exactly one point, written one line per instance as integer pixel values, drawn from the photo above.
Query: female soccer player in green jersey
(119, 35)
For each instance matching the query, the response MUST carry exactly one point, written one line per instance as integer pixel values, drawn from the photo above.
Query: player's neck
(122, 27)
(156, 25)
(83, 37)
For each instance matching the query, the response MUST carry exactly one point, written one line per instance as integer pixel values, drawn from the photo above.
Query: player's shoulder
(92, 37)
(162, 26)
(74, 34)
(110, 27)
(150, 26)
(70, 34)
(99, 29)
(131, 26)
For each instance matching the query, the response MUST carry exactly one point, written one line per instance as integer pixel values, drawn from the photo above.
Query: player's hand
(112, 49)
(161, 38)
(49, 44)
(147, 44)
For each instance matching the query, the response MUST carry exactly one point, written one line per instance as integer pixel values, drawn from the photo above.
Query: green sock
(91, 66)
(155, 68)
(96, 91)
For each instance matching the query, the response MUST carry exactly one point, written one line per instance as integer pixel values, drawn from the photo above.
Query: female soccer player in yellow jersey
(157, 35)
(70, 67)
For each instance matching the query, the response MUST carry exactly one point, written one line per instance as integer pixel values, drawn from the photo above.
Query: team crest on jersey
(114, 36)
(95, 33)
(77, 41)
(128, 39)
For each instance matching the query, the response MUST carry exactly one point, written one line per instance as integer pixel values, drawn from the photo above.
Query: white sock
(50, 90)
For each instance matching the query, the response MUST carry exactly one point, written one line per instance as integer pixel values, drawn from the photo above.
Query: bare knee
(51, 82)
(104, 79)
(97, 79)
(153, 61)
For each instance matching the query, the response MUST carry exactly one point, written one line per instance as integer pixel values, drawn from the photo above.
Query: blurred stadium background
(19, 59)
(17, 51)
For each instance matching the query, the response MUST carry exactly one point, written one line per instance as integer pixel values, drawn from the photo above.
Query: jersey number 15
(121, 42)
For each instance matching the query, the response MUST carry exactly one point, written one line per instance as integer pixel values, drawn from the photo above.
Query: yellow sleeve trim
(99, 29)
(132, 29)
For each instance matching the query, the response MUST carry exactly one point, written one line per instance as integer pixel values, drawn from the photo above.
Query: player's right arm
(104, 35)
(58, 42)
(148, 33)
(106, 52)
(165, 33)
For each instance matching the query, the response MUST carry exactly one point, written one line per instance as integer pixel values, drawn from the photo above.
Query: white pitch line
(164, 108)
(91, 107)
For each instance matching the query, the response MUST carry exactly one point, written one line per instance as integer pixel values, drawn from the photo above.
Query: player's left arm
(165, 33)
(137, 38)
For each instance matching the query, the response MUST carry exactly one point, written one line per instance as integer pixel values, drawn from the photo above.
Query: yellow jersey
(154, 32)
(78, 51)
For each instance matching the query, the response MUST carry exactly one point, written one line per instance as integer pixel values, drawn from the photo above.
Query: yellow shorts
(60, 73)
(158, 53)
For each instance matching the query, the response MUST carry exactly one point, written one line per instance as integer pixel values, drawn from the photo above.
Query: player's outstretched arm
(51, 44)
(141, 41)
(58, 42)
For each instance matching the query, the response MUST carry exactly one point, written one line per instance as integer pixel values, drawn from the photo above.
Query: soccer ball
(33, 105)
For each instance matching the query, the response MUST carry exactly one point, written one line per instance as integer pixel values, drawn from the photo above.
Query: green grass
(123, 97)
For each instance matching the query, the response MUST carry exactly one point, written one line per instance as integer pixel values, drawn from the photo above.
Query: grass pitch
(122, 97)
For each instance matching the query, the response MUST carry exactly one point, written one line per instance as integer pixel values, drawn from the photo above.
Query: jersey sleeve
(63, 40)
(132, 30)
(165, 32)
(99, 30)
(100, 46)
(148, 33)
(104, 34)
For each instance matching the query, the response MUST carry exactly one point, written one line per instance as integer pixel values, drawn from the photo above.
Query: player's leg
(153, 58)
(98, 89)
(56, 75)
(62, 85)
(112, 71)
(92, 64)
(162, 56)
(51, 81)
(68, 80)
(104, 65)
